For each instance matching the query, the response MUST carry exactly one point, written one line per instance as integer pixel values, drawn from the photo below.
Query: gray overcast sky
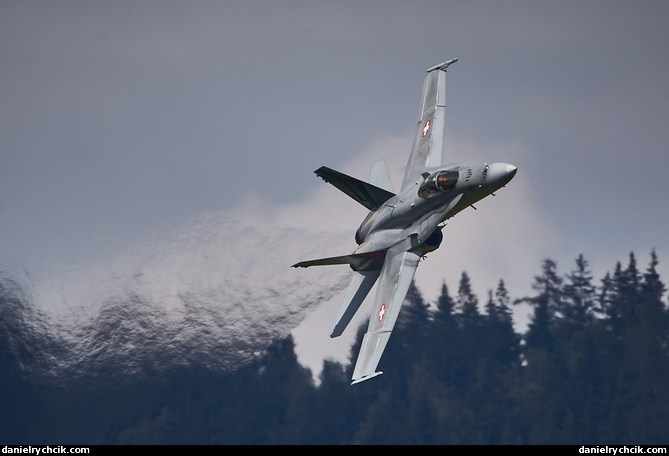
(119, 118)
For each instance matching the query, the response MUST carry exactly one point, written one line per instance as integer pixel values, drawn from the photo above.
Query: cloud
(213, 293)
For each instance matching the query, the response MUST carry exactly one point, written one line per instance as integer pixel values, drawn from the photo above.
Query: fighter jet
(401, 228)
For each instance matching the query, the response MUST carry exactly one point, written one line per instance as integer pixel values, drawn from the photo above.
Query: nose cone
(499, 174)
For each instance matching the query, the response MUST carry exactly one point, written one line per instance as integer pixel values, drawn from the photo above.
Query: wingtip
(443, 65)
(366, 377)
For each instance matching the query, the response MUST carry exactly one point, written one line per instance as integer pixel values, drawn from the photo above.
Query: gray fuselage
(410, 217)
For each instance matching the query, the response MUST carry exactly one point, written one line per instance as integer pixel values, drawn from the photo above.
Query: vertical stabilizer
(357, 291)
(379, 176)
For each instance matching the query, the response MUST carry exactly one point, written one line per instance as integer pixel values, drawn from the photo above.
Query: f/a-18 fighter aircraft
(401, 228)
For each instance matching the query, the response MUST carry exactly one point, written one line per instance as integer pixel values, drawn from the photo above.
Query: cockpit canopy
(438, 182)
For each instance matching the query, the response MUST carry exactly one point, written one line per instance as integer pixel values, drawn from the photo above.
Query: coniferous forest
(592, 368)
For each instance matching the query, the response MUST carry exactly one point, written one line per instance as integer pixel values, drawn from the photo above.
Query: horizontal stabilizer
(355, 260)
(364, 193)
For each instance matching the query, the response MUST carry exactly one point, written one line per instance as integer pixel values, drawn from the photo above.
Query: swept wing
(428, 144)
(397, 272)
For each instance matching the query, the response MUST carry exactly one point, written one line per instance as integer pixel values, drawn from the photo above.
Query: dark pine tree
(653, 314)
(337, 408)
(642, 401)
(412, 321)
(443, 317)
(619, 297)
(443, 337)
(579, 295)
(499, 355)
(467, 303)
(547, 304)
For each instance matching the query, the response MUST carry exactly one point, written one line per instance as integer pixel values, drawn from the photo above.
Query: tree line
(591, 368)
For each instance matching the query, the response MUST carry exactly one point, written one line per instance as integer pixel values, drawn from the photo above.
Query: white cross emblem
(426, 128)
(382, 312)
